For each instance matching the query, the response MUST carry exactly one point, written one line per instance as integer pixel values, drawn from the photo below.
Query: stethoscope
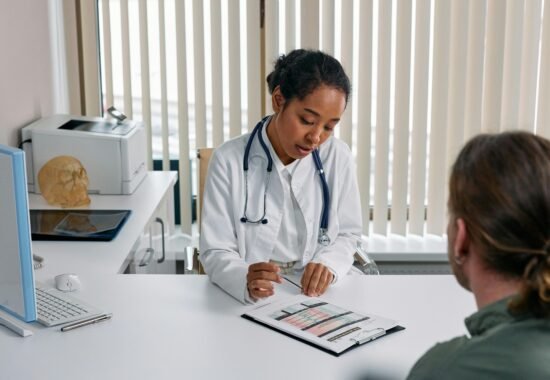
(323, 238)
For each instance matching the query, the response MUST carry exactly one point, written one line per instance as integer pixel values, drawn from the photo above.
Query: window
(427, 75)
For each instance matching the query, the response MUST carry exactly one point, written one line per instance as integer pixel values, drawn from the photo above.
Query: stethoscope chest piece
(323, 239)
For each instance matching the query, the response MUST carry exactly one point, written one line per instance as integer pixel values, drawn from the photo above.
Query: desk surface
(170, 326)
(104, 257)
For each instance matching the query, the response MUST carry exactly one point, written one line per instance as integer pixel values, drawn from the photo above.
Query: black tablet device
(77, 225)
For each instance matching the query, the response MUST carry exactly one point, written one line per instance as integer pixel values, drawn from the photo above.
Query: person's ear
(277, 99)
(461, 246)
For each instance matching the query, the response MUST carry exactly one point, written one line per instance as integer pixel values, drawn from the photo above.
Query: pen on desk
(292, 282)
(86, 322)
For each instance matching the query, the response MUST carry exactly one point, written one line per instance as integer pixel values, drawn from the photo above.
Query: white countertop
(182, 326)
(170, 326)
(104, 257)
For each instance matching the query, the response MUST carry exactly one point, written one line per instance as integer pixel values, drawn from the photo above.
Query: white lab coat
(228, 246)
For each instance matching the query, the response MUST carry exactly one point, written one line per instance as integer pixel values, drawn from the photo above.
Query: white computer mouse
(67, 282)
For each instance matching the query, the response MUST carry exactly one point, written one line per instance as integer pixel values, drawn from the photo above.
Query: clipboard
(322, 325)
(311, 344)
(77, 225)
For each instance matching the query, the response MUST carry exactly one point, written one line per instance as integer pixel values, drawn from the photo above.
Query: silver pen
(86, 322)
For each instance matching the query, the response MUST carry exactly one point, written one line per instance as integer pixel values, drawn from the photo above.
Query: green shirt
(501, 346)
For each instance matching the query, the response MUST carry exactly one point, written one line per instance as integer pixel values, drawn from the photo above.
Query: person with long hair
(499, 249)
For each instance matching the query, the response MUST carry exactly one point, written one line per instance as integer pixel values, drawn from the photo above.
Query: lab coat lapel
(305, 187)
(264, 237)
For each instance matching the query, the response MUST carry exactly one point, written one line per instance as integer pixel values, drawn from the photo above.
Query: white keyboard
(55, 308)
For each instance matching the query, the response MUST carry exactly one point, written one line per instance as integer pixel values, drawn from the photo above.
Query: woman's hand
(260, 279)
(316, 279)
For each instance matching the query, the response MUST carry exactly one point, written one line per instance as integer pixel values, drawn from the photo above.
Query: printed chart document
(323, 325)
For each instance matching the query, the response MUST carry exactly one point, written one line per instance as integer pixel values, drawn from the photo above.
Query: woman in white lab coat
(258, 224)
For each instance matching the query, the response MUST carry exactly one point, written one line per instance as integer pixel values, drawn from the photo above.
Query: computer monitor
(17, 295)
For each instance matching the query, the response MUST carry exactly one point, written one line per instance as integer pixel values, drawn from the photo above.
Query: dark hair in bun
(301, 71)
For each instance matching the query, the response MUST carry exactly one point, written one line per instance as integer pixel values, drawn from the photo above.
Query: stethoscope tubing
(323, 228)
(324, 185)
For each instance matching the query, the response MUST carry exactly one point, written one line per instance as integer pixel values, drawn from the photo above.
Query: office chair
(203, 157)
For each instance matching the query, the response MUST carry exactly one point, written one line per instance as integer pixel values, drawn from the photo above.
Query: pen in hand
(292, 282)
(86, 322)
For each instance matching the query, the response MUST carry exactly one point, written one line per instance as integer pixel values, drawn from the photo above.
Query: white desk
(169, 326)
(104, 257)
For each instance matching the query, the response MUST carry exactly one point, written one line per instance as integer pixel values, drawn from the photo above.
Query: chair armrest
(363, 262)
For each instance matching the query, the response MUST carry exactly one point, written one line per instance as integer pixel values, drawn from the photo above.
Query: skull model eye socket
(64, 181)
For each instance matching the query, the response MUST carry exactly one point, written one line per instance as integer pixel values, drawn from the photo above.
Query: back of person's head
(301, 71)
(500, 187)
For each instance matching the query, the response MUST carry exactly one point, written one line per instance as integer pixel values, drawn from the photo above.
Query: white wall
(25, 66)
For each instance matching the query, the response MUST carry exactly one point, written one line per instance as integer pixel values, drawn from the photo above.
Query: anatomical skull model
(63, 181)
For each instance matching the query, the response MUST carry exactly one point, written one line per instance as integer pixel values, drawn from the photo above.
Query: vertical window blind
(426, 75)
